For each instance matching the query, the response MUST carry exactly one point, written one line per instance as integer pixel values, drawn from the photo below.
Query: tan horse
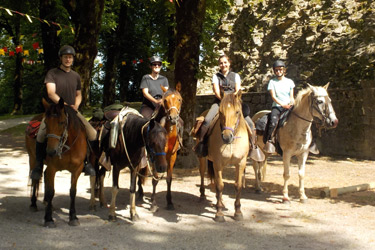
(312, 103)
(228, 145)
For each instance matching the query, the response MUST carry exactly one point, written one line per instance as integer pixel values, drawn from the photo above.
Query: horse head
(56, 121)
(321, 107)
(230, 113)
(172, 102)
(155, 141)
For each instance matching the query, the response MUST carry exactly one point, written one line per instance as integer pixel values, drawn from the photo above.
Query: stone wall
(355, 135)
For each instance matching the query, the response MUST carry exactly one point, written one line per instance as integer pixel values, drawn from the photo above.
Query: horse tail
(210, 170)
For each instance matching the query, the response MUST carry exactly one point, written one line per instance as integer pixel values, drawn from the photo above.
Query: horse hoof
(134, 217)
(74, 223)
(258, 191)
(103, 205)
(170, 207)
(286, 201)
(304, 201)
(112, 218)
(33, 208)
(238, 216)
(203, 198)
(219, 218)
(154, 208)
(49, 224)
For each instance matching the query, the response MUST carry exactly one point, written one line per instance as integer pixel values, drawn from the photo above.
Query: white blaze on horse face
(228, 105)
(173, 95)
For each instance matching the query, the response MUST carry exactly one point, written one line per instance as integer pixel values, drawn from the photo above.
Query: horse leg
(258, 177)
(155, 181)
(73, 219)
(301, 173)
(115, 188)
(133, 181)
(219, 217)
(92, 206)
(34, 195)
(238, 187)
(49, 178)
(171, 162)
(140, 190)
(286, 175)
(102, 199)
(202, 171)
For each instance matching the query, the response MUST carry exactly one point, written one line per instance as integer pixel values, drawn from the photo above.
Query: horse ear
(61, 103)
(163, 88)
(46, 105)
(326, 86)
(239, 94)
(178, 86)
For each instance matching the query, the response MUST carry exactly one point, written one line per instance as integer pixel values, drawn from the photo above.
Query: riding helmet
(67, 50)
(155, 59)
(278, 63)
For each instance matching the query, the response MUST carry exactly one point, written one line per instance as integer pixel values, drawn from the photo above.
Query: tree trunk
(114, 45)
(18, 72)
(87, 18)
(51, 42)
(189, 19)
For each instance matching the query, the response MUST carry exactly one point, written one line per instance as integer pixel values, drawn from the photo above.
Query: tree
(189, 18)
(87, 17)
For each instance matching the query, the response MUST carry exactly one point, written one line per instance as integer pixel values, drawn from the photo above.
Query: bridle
(233, 130)
(62, 139)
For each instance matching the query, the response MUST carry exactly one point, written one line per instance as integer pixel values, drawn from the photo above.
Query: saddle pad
(32, 128)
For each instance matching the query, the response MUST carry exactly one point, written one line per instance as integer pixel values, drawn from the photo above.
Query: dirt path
(343, 223)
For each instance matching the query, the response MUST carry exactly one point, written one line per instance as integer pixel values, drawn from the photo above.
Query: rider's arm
(216, 90)
(291, 97)
(147, 95)
(274, 98)
(238, 84)
(78, 100)
(51, 91)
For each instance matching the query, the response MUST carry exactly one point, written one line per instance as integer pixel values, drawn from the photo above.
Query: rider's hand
(286, 106)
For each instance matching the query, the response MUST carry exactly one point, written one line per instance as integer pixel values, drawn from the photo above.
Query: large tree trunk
(51, 42)
(114, 45)
(87, 18)
(18, 73)
(189, 19)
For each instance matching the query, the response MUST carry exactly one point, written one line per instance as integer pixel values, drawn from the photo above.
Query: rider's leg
(91, 136)
(40, 152)
(255, 153)
(270, 144)
(201, 147)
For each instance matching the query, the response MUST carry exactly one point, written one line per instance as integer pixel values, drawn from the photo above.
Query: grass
(18, 130)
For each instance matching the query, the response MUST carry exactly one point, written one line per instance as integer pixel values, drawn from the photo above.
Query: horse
(30, 141)
(294, 137)
(138, 137)
(66, 150)
(169, 116)
(228, 144)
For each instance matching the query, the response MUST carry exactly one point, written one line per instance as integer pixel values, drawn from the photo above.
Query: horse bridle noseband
(233, 130)
(311, 108)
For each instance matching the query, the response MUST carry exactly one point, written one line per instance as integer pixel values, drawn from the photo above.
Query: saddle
(32, 128)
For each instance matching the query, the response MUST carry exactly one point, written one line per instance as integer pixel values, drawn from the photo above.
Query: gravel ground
(345, 222)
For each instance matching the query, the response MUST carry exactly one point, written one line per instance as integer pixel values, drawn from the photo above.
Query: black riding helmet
(278, 63)
(67, 50)
(154, 59)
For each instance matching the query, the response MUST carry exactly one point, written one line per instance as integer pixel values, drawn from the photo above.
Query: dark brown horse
(135, 135)
(169, 117)
(66, 150)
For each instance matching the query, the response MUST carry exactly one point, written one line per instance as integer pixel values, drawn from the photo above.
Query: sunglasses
(156, 64)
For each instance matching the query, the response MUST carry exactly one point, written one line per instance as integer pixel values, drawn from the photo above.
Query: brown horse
(228, 144)
(169, 117)
(294, 137)
(66, 150)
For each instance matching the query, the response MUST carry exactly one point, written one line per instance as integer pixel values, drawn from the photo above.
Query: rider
(62, 82)
(150, 85)
(225, 81)
(281, 90)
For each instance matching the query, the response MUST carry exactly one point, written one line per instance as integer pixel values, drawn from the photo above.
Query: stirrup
(314, 149)
(269, 148)
(256, 154)
(89, 170)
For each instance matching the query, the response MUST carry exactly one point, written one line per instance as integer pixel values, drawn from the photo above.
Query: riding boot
(270, 144)
(40, 154)
(88, 168)
(314, 148)
(255, 152)
(201, 149)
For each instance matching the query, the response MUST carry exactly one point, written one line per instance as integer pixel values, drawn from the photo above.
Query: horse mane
(54, 110)
(301, 94)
